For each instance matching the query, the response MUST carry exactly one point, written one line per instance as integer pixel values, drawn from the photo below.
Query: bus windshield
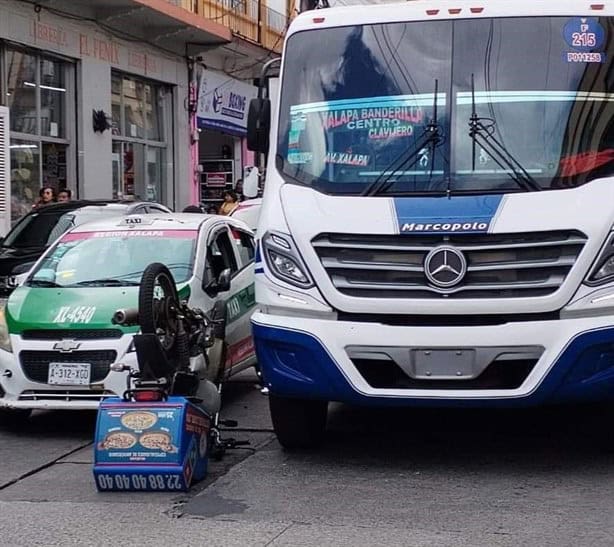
(484, 105)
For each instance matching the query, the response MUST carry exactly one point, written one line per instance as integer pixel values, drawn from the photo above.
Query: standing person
(46, 195)
(231, 202)
(239, 189)
(64, 195)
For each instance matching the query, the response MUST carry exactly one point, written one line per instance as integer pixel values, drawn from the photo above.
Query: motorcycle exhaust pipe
(126, 317)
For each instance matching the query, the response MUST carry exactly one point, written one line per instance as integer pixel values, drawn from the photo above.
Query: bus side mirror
(258, 125)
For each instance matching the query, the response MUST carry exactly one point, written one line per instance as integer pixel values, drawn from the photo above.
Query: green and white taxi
(57, 338)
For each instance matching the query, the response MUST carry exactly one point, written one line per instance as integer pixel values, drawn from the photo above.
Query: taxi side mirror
(221, 284)
(223, 281)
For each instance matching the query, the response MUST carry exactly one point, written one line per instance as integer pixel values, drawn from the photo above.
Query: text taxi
(56, 336)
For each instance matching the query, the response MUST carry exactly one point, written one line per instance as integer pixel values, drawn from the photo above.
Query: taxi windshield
(115, 258)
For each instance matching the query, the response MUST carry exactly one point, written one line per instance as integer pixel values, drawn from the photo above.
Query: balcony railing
(249, 19)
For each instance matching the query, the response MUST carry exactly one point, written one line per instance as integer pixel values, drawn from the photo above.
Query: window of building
(140, 112)
(38, 90)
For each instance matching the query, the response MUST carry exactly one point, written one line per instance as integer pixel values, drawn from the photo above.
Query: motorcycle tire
(157, 315)
(217, 353)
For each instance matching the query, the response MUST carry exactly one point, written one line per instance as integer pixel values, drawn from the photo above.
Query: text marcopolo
(445, 227)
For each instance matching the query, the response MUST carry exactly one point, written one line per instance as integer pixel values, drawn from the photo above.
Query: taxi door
(241, 304)
(222, 253)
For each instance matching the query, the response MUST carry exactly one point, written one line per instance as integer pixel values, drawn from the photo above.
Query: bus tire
(298, 423)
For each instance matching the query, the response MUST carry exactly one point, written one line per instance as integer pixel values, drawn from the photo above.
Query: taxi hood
(71, 308)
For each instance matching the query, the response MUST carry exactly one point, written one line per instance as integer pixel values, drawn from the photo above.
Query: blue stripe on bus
(440, 214)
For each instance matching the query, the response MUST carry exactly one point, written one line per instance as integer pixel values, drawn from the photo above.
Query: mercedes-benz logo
(445, 266)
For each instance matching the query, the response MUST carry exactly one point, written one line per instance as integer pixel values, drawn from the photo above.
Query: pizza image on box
(118, 440)
(157, 440)
(139, 421)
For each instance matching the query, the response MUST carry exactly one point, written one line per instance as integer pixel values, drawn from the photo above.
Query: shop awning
(156, 22)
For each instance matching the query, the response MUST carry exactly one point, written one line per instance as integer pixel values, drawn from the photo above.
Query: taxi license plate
(69, 374)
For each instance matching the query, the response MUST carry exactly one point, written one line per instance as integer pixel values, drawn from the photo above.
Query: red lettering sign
(49, 34)
(104, 50)
(142, 61)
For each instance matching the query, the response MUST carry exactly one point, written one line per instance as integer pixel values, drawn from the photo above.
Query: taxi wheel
(12, 418)
(298, 423)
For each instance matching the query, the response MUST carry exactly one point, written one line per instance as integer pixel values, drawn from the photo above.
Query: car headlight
(284, 260)
(5, 338)
(603, 268)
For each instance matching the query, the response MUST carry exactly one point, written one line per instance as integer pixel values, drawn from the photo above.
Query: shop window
(140, 148)
(25, 176)
(53, 99)
(38, 91)
(116, 105)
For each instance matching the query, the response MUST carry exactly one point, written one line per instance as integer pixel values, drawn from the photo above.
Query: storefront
(39, 88)
(223, 103)
(103, 117)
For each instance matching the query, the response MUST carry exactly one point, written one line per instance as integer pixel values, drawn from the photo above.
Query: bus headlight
(284, 260)
(603, 268)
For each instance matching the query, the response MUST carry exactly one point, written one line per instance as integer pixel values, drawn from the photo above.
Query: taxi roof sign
(136, 220)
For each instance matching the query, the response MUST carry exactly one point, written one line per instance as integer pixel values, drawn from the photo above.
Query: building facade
(103, 106)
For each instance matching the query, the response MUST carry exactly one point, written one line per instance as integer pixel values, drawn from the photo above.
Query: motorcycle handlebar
(126, 317)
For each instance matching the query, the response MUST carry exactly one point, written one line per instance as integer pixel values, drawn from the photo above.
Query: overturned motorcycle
(161, 433)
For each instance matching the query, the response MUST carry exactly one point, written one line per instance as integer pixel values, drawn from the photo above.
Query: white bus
(437, 219)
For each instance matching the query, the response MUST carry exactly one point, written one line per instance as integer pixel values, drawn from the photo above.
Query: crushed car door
(242, 303)
(221, 256)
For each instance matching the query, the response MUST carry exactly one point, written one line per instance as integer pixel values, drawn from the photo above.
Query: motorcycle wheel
(158, 304)
(216, 354)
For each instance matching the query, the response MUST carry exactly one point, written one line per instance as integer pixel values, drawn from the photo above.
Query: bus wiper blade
(483, 135)
(431, 138)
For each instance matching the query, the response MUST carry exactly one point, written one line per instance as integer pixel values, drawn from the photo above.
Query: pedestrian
(239, 189)
(192, 209)
(64, 196)
(231, 202)
(46, 195)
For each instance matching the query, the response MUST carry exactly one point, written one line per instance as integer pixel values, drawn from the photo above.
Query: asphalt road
(423, 477)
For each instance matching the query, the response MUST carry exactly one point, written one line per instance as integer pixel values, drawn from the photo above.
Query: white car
(57, 339)
(248, 211)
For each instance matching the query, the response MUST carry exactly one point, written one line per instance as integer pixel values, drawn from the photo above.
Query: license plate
(437, 364)
(69, 374)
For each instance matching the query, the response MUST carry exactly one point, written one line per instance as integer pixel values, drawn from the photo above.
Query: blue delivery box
(150, 446)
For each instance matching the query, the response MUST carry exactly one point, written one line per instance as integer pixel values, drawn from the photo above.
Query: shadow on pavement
(468, 437)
